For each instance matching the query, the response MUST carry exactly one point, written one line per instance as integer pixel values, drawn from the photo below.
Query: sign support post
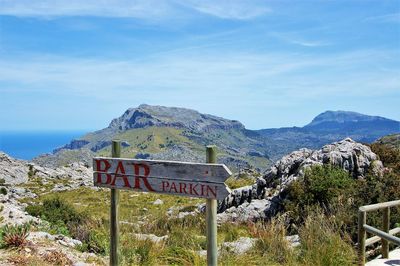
(114, 226)
(200, 180)
(211, 216)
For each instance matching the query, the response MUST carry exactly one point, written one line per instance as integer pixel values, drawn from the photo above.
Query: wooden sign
(166, 177)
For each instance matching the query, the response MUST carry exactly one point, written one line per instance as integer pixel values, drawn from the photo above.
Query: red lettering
(120, 172)
(99, 168)
(165, 185)
(182, 188)
(173, 186)
(214, 192)
(146, 173)
(192, 189)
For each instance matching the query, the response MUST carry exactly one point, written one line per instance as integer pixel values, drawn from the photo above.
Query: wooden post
(211, 216)
(362, 219)
(114, 226)
(386, 225)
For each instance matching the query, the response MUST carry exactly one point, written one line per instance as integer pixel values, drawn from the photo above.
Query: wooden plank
(378, 206)
(179, 187)
(382, 234)
(163, 169)
(362, 235)
(386, 227)
(375, 239)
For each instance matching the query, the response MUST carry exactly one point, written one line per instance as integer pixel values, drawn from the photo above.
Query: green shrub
(56, 211)
(15, 235)
(324, 186)
(64, 219)
(242, 181)
(390, 157)
(340, 196)
(3, 190)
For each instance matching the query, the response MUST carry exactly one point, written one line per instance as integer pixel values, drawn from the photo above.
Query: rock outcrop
(14, 172)
(147, 115)
(262, 198)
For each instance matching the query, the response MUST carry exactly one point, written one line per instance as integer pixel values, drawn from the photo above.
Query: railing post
(362, 219)
(386, 224)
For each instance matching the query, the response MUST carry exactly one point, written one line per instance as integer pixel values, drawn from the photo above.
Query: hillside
(328, 127)
(158, 132)
(393, 141)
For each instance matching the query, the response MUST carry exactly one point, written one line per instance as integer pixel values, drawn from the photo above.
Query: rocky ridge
(147, 115)
(262, 199)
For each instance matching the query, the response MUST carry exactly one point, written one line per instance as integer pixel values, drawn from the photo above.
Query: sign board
(167, 177)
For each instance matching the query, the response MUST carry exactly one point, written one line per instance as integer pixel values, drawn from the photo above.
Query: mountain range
(158, 132)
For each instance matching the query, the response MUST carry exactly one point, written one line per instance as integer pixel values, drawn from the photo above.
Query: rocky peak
(342, 117)
(149, 115)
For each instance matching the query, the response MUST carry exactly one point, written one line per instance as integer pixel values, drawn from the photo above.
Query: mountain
(393, 141)
(170, 133)
(328, 127)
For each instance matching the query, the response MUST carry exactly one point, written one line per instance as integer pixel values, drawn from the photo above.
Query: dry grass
(57, 258)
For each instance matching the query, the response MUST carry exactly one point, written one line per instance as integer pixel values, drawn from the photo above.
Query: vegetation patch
(14, 235)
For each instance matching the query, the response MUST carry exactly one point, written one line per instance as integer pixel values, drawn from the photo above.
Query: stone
(294, 240)
(240, 246)
(151, 237)
(67, 241)
(202, 253)
(81, 263)
(182, 215)
(249, 211)
(158, 202)
(41, 235)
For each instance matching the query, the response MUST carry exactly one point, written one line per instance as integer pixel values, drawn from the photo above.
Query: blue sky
(78, 64)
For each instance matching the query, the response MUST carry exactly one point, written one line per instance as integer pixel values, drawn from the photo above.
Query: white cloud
(180, 75)
(230, 85)
(229, 9)
(392, 17)
(142, 9)
(295, 38)
(112, 8)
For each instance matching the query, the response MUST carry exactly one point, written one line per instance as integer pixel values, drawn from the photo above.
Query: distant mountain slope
(392, 141)
(328, 127)
(170, 133)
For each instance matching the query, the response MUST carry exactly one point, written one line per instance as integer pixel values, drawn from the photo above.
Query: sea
(26, 145)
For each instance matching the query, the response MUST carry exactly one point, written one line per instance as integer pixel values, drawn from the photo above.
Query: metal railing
(384, 235)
